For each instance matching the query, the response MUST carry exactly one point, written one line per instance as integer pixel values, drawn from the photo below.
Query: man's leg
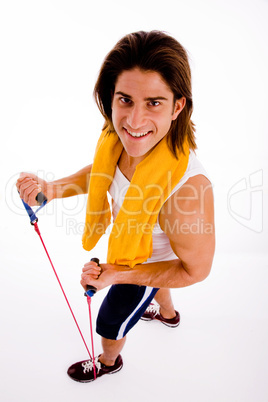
(120, 311)
(163, 298)
(163, 311)
(111, 350)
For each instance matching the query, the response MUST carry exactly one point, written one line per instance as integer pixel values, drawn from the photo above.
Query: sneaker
(84, 371)
(153, 313)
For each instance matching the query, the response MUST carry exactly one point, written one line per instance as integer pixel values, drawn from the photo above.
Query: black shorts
(122, 308)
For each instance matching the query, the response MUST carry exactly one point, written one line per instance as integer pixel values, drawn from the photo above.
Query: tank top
(162, 250)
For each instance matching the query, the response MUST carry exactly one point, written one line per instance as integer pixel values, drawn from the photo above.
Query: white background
(51, 53)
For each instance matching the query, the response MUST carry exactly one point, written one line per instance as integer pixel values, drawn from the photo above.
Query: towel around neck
(151, 184)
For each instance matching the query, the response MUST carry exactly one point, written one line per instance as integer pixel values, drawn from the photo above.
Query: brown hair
(150, 51)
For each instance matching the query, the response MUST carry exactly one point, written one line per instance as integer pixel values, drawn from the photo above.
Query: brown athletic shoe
(153, 313)
(84, 371)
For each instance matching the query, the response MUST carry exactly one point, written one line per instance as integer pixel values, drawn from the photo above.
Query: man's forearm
(72, 185)
(164, 274)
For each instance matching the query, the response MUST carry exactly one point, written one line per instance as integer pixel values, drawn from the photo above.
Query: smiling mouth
(137, 135)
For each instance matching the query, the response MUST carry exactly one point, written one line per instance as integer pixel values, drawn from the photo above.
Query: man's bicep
(188, 220)
(196, 254)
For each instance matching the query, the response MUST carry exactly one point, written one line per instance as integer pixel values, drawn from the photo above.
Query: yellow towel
(130, 241)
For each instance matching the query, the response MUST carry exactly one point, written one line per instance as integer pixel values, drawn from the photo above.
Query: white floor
(218, 353)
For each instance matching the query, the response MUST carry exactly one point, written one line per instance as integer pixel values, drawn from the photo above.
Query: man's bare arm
(188, 220)
(29, 185)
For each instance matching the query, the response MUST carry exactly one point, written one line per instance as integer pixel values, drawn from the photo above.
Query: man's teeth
(137, 134)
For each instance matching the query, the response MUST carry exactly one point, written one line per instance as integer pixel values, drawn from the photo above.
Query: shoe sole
(165, 323)
(169, 325)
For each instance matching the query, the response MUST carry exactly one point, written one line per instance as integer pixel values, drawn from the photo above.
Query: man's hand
(100, 276)
(29, 185)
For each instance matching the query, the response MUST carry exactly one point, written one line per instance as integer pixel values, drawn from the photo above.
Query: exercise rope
(42, 200)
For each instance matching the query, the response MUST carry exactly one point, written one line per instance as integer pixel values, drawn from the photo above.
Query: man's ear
(178, 107)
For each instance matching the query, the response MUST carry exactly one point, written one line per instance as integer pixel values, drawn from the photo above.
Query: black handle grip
(91, 290)
(96, 260)
(40, 198)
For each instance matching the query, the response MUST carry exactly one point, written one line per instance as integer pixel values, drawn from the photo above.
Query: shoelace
(89, 365)
(153, 308)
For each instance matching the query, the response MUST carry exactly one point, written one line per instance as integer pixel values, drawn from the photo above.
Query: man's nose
(137, 117)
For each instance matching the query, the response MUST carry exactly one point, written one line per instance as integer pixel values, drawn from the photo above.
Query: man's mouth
(137, 135)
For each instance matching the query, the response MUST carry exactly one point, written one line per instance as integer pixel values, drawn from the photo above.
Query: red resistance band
(34, 220)
(67, 301)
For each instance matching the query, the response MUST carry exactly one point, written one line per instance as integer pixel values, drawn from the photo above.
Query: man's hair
(150, 51)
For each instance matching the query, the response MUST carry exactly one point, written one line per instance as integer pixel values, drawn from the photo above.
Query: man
(163, 231)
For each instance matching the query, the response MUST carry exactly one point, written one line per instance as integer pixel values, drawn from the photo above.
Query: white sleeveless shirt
(162, 250)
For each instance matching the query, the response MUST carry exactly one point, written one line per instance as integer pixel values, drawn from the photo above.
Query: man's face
(142, 110)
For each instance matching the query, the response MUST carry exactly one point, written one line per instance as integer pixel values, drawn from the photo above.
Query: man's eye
(154, 103)
(125, 100)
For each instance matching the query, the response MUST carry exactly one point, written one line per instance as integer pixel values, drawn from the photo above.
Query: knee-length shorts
(122, 308)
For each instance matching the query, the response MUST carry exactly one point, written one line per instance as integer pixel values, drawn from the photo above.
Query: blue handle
(42, 200)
